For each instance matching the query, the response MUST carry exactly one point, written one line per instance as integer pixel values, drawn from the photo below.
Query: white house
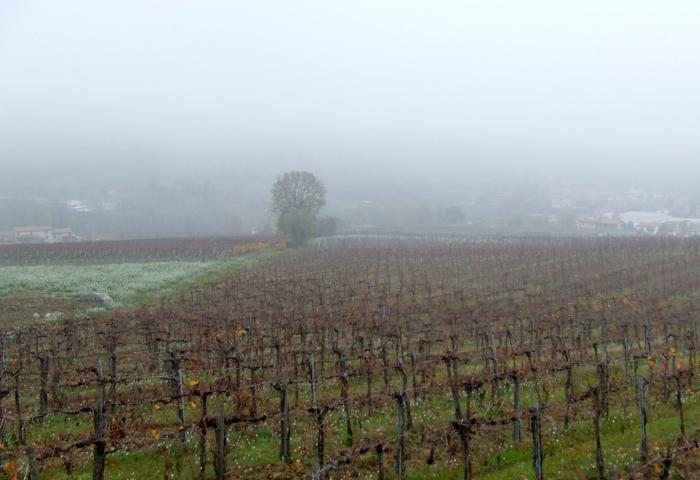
(33, 234)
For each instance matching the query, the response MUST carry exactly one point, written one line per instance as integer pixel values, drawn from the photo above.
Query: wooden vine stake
(318, 413)
(599, 459)
(643, 446)
(99, 456)
(180, 393)
(344, 395)
(21, 438)
(537, 454)
(679, 404)
(569, 389)
(380, 461)
(517, 421)
(43, 388)
(464, 429)
(400, 466)
(220, 451)
(449, 363)
(32, 469)
(285, 424)
(203, 437)
(406, 400)
(221, 424)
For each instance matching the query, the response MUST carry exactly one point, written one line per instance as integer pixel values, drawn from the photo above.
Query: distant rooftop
(653, 218)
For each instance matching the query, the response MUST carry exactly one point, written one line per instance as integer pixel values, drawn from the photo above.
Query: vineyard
(152, 249)
(53, 279)
(492, 358)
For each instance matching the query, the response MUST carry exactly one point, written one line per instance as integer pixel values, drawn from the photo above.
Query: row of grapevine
(384, 360)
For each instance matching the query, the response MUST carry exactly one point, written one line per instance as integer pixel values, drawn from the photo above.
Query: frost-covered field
(124, 282)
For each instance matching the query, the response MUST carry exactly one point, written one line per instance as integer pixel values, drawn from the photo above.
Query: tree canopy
(298, 190)
(298, 225)
(297, 197)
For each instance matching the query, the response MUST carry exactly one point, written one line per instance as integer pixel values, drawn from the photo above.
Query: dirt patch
(19, 308)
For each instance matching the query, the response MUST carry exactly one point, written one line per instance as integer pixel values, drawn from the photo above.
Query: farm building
(42, 234)
(33, 234)
(655, 223)
(603, 224)
(65, 235)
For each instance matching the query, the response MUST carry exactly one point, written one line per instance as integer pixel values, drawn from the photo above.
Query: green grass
(129, 284)
(568, 454)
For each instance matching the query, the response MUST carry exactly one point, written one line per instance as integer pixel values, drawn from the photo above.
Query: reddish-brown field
(476, 357)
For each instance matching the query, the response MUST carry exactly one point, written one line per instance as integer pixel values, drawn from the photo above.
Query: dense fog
(147, 118)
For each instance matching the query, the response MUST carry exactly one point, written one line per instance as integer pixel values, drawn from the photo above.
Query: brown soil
(19, 308)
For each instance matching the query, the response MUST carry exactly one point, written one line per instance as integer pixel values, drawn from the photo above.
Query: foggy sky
(601, 84)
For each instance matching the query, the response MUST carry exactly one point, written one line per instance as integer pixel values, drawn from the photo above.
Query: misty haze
(333, 239)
